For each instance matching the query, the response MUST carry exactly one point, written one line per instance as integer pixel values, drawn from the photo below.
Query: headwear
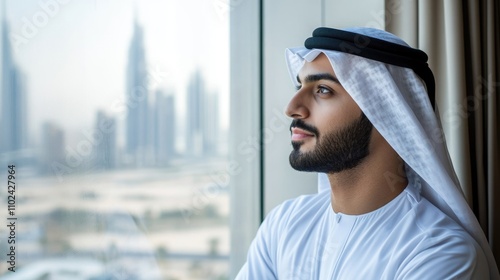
(393, 97)
(376, 49)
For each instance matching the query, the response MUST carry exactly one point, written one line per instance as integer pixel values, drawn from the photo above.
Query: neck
(372, 184)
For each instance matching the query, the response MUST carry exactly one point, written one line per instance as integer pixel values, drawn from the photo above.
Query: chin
(302, 147)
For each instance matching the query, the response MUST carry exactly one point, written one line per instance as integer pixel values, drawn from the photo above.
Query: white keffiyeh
(395, 100)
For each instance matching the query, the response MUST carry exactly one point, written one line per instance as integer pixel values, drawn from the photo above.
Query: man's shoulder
(418, 219)
(299, 210)
(435, 242)
(431, 219)
(304, 203)
(442, 247)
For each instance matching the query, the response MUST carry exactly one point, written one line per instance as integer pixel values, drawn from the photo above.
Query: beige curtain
(461, 38)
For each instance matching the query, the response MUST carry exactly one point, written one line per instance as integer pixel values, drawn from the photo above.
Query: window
(115, 116)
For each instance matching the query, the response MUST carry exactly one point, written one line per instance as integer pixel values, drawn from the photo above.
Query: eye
(324, 91)
(298, 87)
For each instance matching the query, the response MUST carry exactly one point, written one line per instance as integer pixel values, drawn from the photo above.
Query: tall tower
(165, 130)
(211, 126)
(13, 101)
(202, 118)
(137, 98)
(105, 149)
(195, 114)
(53, 143)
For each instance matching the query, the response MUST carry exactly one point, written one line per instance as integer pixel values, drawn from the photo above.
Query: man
(391, 207)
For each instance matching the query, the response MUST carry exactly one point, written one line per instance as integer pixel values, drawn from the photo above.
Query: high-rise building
(137, 121)
(202, 118)
(195, 113)
(105, 142)
(210, 128)
(13, 123)
(164, 128)
(52, 148)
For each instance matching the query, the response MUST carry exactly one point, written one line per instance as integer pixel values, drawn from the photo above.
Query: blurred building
(52, 148)
(211, 128)
(202, 118)
(105, 142)
(137, 142)
(194, 137)
(13, 123)
(165, 130)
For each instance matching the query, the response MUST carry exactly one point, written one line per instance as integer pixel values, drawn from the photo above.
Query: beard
(335, 151)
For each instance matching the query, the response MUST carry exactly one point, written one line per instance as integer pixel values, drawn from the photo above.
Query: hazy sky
(74, 52)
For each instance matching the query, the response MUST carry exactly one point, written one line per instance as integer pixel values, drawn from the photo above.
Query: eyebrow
(317, 77)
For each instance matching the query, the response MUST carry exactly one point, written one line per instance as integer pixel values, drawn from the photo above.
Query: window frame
(245, 164)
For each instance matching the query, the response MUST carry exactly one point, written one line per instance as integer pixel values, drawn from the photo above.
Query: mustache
(298, 123)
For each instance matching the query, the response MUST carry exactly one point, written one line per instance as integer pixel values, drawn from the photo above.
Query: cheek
(335, 118)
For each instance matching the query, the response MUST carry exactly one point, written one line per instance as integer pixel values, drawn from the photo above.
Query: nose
(297, 108)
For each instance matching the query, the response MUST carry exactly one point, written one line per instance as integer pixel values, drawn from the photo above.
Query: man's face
(329, 132)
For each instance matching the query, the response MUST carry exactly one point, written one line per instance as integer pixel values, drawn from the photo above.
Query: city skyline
(96, 74)
(98, 84)
(156, 144)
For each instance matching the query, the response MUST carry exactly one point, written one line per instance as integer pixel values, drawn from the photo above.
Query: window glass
(114, 131)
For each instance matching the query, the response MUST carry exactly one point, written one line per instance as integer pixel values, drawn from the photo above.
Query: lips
(300, 134)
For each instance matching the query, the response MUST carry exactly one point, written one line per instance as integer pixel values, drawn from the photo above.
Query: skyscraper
(210, 128)
(52, 148)
(105, 146)
(195, 113)
(137, 92)
(202, 118)
(165, 130)
(13, 124)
